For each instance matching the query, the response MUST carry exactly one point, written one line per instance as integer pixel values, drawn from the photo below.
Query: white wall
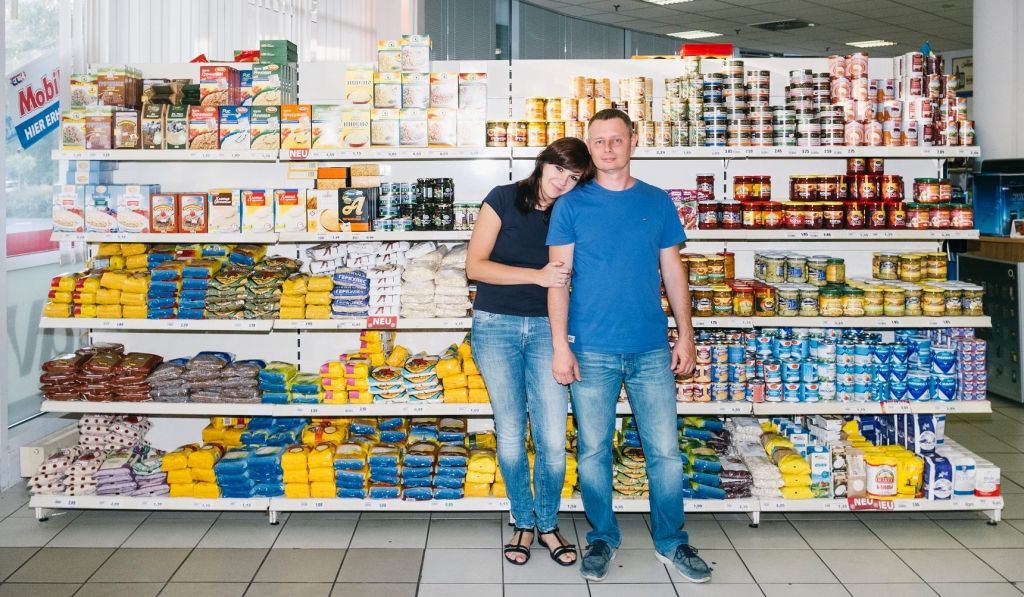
(998, 82)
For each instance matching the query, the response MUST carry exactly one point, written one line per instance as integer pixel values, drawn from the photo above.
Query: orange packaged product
(296, 126)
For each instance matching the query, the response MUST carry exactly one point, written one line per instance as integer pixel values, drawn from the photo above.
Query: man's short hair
(612, 114)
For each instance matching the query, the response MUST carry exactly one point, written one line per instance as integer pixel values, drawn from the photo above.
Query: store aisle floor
(195, 554)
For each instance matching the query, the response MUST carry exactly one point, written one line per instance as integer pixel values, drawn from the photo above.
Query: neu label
(871, 504)
(298, 154)
(382, 323)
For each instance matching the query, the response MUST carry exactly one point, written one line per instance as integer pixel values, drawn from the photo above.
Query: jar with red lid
(874, 214)
(771, 216)
(890, 188)
(793, 214)
(730, 218)
(741, 188)
(814, 215)
(895, 215)
(764, 188)
(827, 186)
(843, 187)
(805, 188)
(854, 215)
(939, 215)
(706, 185)
(917, 216)
(876, 166)
(750, 215)
(707, 215)
(856, 166)
(867, 188)
(961, 217)
(833, 215)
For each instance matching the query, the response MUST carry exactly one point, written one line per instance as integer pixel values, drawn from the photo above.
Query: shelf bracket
(755, 519)
(994, 516)
(41, 515)
(272, 515)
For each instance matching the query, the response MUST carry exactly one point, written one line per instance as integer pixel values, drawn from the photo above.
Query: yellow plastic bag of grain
(182, 490)
(206, 491)
(296, 491)
(207, 475)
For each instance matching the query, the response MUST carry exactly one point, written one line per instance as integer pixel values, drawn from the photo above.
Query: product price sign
(382, 323)
(298, 154)
(858, 504)
(896, 407)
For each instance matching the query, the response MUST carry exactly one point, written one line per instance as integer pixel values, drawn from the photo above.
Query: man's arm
(564, 366)
(677, 290)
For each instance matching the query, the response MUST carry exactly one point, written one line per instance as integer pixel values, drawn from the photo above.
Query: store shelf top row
(457, 153)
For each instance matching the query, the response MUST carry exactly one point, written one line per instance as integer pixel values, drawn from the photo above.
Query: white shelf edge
(159, 408)
(406, 409)
(329, 237)
(900, 505)
(840, 151)
(395, 153)
(100, 502)
(869, 322)
(164, 155)
(832, 235)
(169, 325)
(872, 408)
(267, 238)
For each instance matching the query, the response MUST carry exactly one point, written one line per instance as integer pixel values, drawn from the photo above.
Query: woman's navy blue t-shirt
(521, 242)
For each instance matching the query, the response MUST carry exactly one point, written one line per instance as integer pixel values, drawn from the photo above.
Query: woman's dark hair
(569, 153)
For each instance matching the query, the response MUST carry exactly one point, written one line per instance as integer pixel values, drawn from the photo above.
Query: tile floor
(195, 554)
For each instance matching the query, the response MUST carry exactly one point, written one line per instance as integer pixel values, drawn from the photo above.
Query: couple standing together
(580, 218)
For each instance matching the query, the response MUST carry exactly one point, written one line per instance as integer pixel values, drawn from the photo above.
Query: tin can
(791, 392)
(497, 133)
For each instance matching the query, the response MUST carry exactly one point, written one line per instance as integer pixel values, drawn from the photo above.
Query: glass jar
(742, 188)
(817, 270)
(703, 305)
(917, 216)
(835, 271)
(853, 302)
(722, 300)
(933, 301)
(771, 216)
(445, 217)
(423, 217)
(814, 216)
(793, 214)
(743, 301)
(910, 267)
(827, 188)
(730, 218)
(874, 215)
(460, 217)
(775, 270)
(843, 187)
(876, 166)
(833, 215)
(895, 304)
(706, 185)
(961, 217)
(764, 188)
(789, 301)
(764, 301)
(730, 264)
(472, 214)
(973, 301)
(912, 299)
(809, 301)
(750, 214)
(926, 190)
(854, 215)
(698, 270)
(954, 301)
(856, 166)
(896, 215)
(867, 187)
(796, 268)
(940, 216)
(935, 267)
(805, 188)
(830, 302)
(716, 269)
(873, 299)
(888, 266)
(707, 215)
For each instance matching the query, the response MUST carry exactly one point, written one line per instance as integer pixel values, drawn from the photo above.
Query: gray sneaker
(688, 563)
(596, 560)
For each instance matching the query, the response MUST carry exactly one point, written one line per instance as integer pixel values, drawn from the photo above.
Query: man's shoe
(688, 563)
(596, 560)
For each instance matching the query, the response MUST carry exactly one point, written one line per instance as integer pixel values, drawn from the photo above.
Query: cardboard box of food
(415, 90)
(257, 210)
(99, 127)
(359, 83)
(133, 207)
(194, 212)
(84, 91)
(225, 211)
(412, 128)
(444, 90)
(101, 208)
(126, 130)
(68, 208)
(389, 56)
(364, 170)
(272, 84)
(289, 210)
(152, 126)
(203, 127)
(322, 210)
(72, 129)
(357, 208)
(387, 90)
(245, 88)
(472, 128)
(176, 131)
(163, 213)
(326, 126)
(473, 90)
(384, 127)
(416, 53)
(442, 127)
(234, 128)
(332, 172)
(355, 127)
(89, 177)
(265, 127)
(219, 85)
(296, 126)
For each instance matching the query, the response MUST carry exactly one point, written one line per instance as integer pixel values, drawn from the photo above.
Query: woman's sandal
(564, 547)
(517, 545)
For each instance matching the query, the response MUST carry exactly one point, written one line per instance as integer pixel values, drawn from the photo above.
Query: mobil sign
(33, 99)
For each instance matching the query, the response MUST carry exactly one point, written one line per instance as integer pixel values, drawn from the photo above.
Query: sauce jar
(702, 301)
(809, 302)
(954, 300)
(933, 301)
(698, 270)
(856, 166)
(707, 215)
(854, 215)
(891, 188)
(912, 296)
(796, 268)
(835, 271)
(830, 302)
(895, 304)
(961, 217)
(827, 186)
(832, 215)
(817, 270)
(789, 301)
(910, 267)
(867, 187)
(805, 188)
(743, 301)
(793, 213)
(853, 302)
(772, 216)
(730, 218)
(926, 190)
(945, 191)
(873, 301)
(888, 266)
(722, 300)
(874, 214)
(935, 267)
(750, 214)
(730, 264)
(843, 187)
(939, 216)
(706, 185)
(764, 301)
(896, 215)
(973, 305)
(775, 270)
(742, 188)
(814, 216)
(716, 269)
(917, 216)
(516, 134)
(764, 188)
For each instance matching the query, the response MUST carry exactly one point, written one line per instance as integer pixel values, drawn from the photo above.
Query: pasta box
(163, 213)
(193, 212)
(68, 208)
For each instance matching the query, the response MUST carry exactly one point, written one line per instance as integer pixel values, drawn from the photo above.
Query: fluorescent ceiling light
(875, 43)
(694, 34)
(664, 2)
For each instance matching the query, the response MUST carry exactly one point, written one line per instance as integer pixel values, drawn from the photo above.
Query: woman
(508, 257)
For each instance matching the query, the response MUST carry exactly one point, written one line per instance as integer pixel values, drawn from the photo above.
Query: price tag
(202, 505)
(729, 151)
(947, 322)
(741, 506)
(470, 153)
(887, 234)
(896, 407)
(945, 408)
(618, 506)
(859, 409)
(244, 325)
(835, 506)
(929, 151)
(474, 410)
(775, 505)
(460, 323)
(58, 501)
(112, 323)
(362, 409)
(798, 234)
(696, 505)
(969, 504)
(416, 153)
(779, 151)
(887, 323)
(727, 408)
(171, 324)
(417, 409)
(234, 155)
(71, 502)
(687, 152)
(306, 410)
(717, 152)
(155, 505)
(443, 153)
(382, 505)
(572, 506)
(308, 323)
(827, 151)
(660, 152)
(805, 152)
(389, 154)
(833, 323)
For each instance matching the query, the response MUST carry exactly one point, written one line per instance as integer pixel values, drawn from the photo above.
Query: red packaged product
(65, 363)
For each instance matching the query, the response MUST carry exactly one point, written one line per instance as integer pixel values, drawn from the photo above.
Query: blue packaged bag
(269, 490)
(416, 482)
(352, 492)
(276, 398)
(235, 462)
(420, 494)
(449, 482)
(454, 472)
(384, 492)
(447, 493)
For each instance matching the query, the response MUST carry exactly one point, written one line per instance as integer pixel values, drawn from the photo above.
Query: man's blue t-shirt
(615, 305)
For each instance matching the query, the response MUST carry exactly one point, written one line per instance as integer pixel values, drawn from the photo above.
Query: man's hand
(684, 357)
(566, 370)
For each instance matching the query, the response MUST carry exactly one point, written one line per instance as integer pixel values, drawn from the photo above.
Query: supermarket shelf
(159, 408)
(128, 237)
(718, 322)
(396, 153)
(165, 155)
(334, 237)
(490, 503)
(360, 323)
(868, 322)
(437, 409)
(871, 408)
(98, 502)
(829, 505)
(698, 408)
(868, 235)
(675, 153)
(170, 325)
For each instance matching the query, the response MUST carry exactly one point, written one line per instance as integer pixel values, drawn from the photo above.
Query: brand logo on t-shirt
(572, 339)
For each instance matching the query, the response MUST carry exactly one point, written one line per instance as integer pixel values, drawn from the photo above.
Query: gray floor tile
(713, 590)
(912, 534)
(28, 532)
(11, 558)
(635, 533)
(1006, 562)
(886, 516)
(475, 566)
(381, 566)
(140, 565)
(86, 531)
(392, 515)
(61, 565)
(392, 533)
(122, 589)
(302, 533)
(903, 590)
(488, 515)
(985, 443)
(471, 533)
(258, 516)
(38, 590)
(324, 516)
(189, 514)
(1013, 508)
(804, 590)
(726, 568)
(494, 590)
(974, 534)
(289, 589)
(228, 533)
(114, 515)
(975, 590)
(647, 590)
(870, 565)
(169, 532)
(540, 570)
(342, 589)
(778, 566)
(707, 534)
(826, 516)
(637, 566)
(933, 566)
(204, 589)
(220, 565)
(300, 566)
(11, 504)
(1006, 462)
(822, 534)
(769, 535)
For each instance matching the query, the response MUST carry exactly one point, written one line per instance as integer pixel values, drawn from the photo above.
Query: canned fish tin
(403, 225)
(384, 224)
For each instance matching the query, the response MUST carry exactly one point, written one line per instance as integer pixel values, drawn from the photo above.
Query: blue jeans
(652, 396)
(514, 356)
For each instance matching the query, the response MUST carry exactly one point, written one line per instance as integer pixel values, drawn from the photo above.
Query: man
(615, 234)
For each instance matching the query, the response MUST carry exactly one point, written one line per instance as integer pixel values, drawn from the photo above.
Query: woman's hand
(554, 275)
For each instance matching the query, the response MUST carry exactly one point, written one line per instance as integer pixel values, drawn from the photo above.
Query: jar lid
(835, 261)
(853, 291)
(833, 291)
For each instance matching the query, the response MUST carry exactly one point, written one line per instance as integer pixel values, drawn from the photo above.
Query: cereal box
(99, 127)
(68, 208)
(412, 128)
(265, 127)
(126, 129)
(101, 208)
(203, 127)
(193, 212)
(152, 127)
(387, 90)
(384, 127)
(355, 127)
(234, 128)
(473, 90)
(84, 91)
(290, 210)
(472, 131)
(416, 53)
(296, 126)
(272, 84)
(444, 90)
(225, 211)
(441, 127)
(359, 83)
(245, 88)
(257, 211)
(133, 206)
(326, 126)
(219, 86)
(389, 56)
(356, 209)
(72, 129)
(322, 211)
(163, 212)
(176, 131)
(415, 90)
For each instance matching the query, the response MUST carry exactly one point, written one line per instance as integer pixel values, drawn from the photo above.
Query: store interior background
(87, 32)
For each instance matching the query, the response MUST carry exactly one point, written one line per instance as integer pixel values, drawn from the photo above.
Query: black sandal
(518, 546)
(564, 547)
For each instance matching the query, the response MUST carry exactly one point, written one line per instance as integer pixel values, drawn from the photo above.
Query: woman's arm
(479, 266)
